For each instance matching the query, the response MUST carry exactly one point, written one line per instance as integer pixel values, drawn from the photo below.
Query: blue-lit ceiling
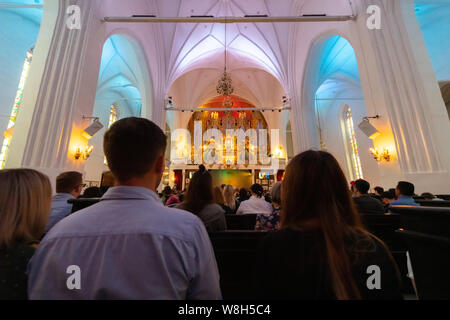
(116, 73)
(337, 61)
(434, 20)
(32, 14)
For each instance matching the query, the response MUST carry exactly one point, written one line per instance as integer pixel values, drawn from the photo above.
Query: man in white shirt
(256, 204)
(127, 246)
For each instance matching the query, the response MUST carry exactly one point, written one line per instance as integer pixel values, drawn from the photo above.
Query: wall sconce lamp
(379, 156)
(82, 152)
(368, 129)
(93, 128)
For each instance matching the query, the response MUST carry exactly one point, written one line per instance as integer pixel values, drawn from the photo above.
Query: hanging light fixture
(225, 84)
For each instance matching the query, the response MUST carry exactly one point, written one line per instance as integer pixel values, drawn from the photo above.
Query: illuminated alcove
(332, 93)
(120, 83)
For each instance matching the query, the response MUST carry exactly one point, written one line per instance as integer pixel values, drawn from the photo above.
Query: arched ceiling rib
(32, 14)
(262, 44)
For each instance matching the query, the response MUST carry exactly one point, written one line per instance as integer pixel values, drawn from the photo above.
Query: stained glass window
(15, 109)
(112, 118)
(351, 140)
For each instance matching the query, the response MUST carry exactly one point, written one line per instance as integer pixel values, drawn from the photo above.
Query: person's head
(404, 188)
(315, 195)
(229, 196)
(427, 196)
(69, 182)
(243, 194)
(352, 186)
(167, 191)
(387, 197)
(275, 193)
(218, 195)
(378, 191)
(257, 190)
(361, 187)
(92, 192)
(25, 201)
(199, 192)
(222, 186)
(134, 149)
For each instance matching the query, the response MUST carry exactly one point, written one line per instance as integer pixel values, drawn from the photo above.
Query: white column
(65, 74)
(399, 73)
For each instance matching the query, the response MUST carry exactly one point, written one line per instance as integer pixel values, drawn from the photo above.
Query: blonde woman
(229, 197)
(25, 200)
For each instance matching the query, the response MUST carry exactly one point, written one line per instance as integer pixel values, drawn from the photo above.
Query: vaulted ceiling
(191, 46)
(434, 20)
(32, 14)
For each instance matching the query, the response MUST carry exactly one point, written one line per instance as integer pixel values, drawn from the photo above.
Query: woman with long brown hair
(199, 200)
(322, 250)
(25, 200)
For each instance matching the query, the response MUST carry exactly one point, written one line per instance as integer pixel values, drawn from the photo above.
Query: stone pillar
(65, 79)
(402, 82)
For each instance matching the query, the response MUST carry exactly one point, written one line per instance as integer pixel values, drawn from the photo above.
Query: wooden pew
(430, 260)
(241, 221)
(432, 203)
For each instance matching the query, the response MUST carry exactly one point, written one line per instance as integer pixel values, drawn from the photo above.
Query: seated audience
(271, 221)
(129, 245)
(199, 199)
(256, 203)
(230, 199)
(91, 192)
(68, 186)
(404, 193)
(25, 199)
(364, 202)
(378, 191)
(220, 200)
(387, 198)
(322, 250)
(243, 195)
(173, 200)
(166, 194)
(430, 196)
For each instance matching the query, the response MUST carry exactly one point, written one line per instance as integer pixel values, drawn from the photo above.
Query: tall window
(15, 109)
(113, 110)
(352, 145)
(112, 114)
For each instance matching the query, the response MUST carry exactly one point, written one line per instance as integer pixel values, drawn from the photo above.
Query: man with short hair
(404, 193)
(129, 245)
(364, 202)
(68, 186)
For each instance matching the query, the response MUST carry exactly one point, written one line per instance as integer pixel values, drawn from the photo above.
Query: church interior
(314, 82)
(240, 87)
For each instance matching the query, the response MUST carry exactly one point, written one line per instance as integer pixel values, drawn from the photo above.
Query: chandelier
(225, 84)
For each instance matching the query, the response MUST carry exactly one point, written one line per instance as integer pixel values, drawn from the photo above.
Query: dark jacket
(293, 265)
(13, 267)
(368, 205)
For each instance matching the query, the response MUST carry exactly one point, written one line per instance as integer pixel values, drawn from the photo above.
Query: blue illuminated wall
(334, 82)
(19, 29)
(434, 20)
(118, 84)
